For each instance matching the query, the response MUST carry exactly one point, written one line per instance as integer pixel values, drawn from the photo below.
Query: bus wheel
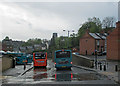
(69, 68)
(57, 68)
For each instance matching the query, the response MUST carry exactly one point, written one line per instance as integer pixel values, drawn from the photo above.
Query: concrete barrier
(6, 63)
(82, 61)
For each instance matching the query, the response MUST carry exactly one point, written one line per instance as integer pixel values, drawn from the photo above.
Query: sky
(25, 20)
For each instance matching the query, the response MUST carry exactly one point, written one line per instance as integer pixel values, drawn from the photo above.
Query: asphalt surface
(51, 76)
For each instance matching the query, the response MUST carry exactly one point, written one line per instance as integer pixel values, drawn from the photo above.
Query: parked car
(99, 53)
(104, 53)
(76, 53)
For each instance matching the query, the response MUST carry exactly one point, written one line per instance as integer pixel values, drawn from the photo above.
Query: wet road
(50, 74)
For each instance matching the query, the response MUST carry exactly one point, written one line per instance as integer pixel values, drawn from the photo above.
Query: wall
(6, 63)
(113, 44)
(82, 61)
(87, 43)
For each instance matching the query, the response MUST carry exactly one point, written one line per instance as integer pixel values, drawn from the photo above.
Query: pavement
(15, 72)
(110, 71)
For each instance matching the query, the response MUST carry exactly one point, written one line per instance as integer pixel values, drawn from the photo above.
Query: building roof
(29, 47)
(103, 35)
(98, 35)
(23, 48)
(37, 45)
(94, 36)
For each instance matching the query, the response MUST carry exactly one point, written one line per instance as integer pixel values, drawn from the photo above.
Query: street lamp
(68, 36)
(69, 32)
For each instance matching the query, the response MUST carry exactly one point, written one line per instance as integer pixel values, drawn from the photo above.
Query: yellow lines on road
(5, 77)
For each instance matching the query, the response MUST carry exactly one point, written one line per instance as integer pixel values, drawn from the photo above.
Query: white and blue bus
(63, 59)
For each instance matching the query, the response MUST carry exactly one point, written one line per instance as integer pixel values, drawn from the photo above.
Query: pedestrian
(24, 65)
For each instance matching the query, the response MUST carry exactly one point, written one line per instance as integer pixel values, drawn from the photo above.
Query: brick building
(22, 49)
(7, 44)
(17, 45)
(91, 42)
(113, 43)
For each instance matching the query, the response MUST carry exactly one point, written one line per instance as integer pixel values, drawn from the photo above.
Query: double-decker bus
(63, 59)
(40, 59)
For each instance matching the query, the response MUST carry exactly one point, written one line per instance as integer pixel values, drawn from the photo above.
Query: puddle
(40, 76)
(88, 76)
(40, 73)
(63, 77)
(76, 77)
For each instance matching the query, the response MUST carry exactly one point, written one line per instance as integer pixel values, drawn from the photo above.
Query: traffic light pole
(96, 59)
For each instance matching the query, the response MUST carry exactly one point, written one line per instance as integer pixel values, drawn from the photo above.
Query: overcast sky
(24, 20)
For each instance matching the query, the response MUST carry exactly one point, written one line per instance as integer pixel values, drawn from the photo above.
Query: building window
(98, 42)
(98, 48)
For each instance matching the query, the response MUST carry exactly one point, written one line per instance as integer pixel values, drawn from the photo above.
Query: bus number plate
(63, 66)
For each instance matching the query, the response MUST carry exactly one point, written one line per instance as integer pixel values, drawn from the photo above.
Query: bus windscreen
(40, 56)
(63, 54)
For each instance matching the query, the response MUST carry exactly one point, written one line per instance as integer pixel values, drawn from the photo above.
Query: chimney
(118, 24)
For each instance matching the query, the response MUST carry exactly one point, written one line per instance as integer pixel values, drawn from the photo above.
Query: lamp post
(68, 36)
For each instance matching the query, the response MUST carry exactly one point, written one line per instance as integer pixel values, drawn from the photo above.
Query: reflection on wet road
(39, 73)
(50, 74)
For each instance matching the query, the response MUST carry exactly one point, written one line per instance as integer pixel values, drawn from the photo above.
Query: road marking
(5, 77)
(108, 73)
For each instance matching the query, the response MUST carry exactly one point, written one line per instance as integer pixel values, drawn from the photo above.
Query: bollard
(104, 67)
(100, 67)
(99, 64)
(116, 67)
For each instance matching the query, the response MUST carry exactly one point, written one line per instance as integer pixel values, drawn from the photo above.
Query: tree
(93, 25)
(74, 40)
(31, 42)
(108, 22)
(95, 20)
